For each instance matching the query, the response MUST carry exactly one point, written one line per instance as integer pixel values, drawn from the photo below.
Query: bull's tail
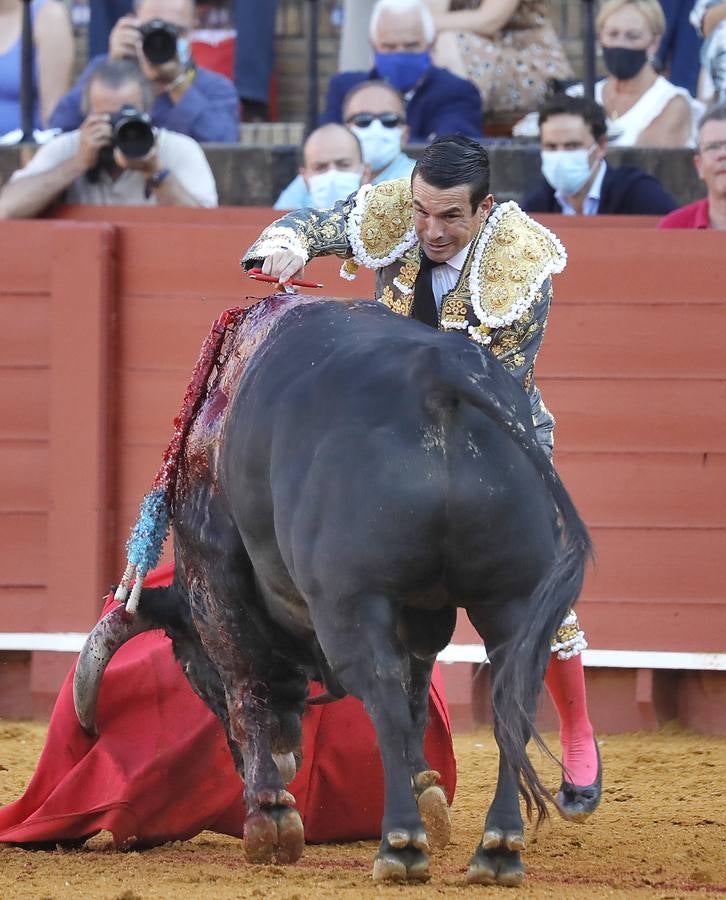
(520, 670)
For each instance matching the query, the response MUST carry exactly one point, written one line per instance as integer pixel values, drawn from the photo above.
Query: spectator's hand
(283, 265)
(124, 38)
(95, 132)
(148, 164)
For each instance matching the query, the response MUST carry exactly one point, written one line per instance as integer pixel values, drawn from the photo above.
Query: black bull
(352, 478)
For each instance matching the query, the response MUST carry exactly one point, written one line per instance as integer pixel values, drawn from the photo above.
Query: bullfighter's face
(444, 220)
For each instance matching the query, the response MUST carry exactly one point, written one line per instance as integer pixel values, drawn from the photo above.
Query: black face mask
(623, 62)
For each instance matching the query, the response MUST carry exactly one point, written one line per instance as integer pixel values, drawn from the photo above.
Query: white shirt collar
(457, 262)
(591, 203)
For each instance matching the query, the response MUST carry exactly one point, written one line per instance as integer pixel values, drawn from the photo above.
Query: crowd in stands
(411, 70)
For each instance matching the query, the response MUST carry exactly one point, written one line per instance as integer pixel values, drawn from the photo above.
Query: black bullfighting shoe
(576, 803)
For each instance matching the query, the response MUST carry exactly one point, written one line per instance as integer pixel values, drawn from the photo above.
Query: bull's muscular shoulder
(380, 224)
(512, 257)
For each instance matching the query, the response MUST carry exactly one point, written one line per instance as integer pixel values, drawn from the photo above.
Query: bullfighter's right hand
(283, 265)
(95, 132)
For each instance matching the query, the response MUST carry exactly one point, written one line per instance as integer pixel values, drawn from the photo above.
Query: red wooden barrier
(101, 319)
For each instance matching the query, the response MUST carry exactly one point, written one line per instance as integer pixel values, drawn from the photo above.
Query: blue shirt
(208, 111)
(10, 114)
(297, 196)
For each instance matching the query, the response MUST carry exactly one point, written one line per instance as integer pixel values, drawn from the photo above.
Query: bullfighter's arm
(517, 347)
(305, 232)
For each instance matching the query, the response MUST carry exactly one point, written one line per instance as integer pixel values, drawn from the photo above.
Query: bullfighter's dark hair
(562, 104)
(453, 160)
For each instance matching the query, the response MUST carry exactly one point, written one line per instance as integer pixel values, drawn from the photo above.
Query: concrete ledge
(255, 175)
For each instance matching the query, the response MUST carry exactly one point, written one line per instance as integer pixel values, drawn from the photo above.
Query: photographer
(115, 157)
(188, 99)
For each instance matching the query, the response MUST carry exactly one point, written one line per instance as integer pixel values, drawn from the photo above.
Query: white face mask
(326, 188)
(380, 145)
(567, 170)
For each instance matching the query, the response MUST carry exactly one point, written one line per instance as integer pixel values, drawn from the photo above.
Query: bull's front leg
(273, 828)
(358, 639)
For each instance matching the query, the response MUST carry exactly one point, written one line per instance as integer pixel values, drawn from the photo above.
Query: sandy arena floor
(659, 833)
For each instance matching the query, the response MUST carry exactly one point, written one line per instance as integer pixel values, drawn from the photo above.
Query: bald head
(177, 12)
(374, 97)
(331, 147)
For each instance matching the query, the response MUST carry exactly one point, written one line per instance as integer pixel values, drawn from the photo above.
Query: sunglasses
(388, 120)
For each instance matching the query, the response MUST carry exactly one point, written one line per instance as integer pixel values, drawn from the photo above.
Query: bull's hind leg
(425, 633)
(359, 641)
(497, 859)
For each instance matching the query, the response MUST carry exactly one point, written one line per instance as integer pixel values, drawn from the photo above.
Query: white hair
(400, 6)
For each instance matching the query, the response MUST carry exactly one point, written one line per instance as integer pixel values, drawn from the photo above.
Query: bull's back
(352, 453)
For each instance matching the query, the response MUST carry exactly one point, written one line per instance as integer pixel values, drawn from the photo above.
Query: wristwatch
(153, 181)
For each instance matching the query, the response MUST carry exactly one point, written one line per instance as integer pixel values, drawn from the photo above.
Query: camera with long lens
(158, 41)
(132, 132)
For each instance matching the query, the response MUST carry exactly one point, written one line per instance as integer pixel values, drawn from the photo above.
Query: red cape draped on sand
(161, 769)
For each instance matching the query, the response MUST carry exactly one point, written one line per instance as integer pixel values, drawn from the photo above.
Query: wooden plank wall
(101, 322)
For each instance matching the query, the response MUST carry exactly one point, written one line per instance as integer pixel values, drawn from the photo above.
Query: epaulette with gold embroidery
(513, 256)
(380, 225)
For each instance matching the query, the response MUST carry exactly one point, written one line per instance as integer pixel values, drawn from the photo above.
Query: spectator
(353, 53)
(254, 55)
(679, 47)
(332, 169)
(188, 99)
(643, 108)
(507, 48)
(85, 166)
(375, 113)
(710, 162)
(709, 19)
(437, 102)
(103, 16)
(577, 179)
(52, 59)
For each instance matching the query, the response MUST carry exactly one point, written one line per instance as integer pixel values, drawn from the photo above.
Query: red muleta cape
(161, 770)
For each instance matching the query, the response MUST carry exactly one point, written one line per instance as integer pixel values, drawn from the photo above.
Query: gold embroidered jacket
(500, 300)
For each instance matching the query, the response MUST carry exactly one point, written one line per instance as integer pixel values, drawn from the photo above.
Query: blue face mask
(183, 51)
(403, 70)
(567, 170)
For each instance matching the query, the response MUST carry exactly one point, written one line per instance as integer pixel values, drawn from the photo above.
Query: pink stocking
(565, 680)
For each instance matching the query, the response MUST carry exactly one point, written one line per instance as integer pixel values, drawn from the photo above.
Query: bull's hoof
(498, 866)
(274, 834)
(497, 859)
(402, 856)
(286, 766)
(576, 803)
(433, 808)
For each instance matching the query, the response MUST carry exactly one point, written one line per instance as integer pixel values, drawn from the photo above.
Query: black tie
(424, 305)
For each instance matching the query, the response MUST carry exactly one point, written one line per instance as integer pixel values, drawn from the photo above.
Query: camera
(158, 41)
(132, 132)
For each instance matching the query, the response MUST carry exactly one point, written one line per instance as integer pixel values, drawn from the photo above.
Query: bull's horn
(110, 633)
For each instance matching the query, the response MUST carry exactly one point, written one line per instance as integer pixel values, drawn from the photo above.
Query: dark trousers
(255, 52)
(104, 14)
